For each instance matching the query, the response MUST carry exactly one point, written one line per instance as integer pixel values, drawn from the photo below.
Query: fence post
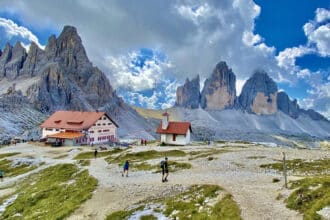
(284, 172)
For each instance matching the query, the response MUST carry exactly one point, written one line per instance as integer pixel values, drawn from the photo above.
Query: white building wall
(188, 137)
(180, 139)
(102, 128)
(50, 131)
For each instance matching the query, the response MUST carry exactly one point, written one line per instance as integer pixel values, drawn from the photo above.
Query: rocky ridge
(67, 80)
(259, 95)
(188, 95)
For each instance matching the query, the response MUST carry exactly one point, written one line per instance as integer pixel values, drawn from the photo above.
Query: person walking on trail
(1, 175)
(126, 167)
(95, 153)
(164, 166)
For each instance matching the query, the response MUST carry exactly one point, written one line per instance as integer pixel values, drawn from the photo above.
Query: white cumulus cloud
(11, 29)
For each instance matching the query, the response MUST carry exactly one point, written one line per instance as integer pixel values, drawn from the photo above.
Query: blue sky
(148, 49)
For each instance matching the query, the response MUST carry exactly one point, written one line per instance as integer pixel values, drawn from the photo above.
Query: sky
(147, 48)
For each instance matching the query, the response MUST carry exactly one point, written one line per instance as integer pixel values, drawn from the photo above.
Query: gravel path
(251, 186)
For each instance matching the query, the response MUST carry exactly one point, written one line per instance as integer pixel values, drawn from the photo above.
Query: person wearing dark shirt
(164, 166)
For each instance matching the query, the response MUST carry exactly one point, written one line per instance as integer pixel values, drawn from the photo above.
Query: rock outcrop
(12, 61)
(287, 106)
(188, 95)
(313, 114)
(219, 90)
(259, 94)
(67, 80)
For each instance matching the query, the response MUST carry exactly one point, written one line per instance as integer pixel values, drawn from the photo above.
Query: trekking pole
(284, 172)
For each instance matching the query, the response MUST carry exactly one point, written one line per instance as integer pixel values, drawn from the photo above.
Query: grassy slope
(157, 114)
(184, 205)
(53, 193)
(310, 196)
(9, 171)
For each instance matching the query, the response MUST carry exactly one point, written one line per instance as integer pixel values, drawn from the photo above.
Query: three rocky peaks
(259, 95)
(62, 77)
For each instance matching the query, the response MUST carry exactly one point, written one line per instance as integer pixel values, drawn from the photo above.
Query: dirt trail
(237, 171)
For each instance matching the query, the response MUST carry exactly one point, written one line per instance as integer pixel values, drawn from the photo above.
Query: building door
(174, 137)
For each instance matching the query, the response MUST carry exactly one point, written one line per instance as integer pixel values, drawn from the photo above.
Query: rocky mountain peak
(259, 94)
(188, 95)
(12, 61)
(287, 106)
(219, 90)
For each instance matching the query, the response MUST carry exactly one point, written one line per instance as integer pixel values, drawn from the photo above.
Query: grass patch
(206, 153)
(9, 171)
(123, 214)
(299, 166)
(198, 202)
(8, 155)
(256, 157)
(84, 162)
(53, 193)
(61, 156)
(172, 165)
(226, 209)
(192, 205)
(142, 156)
(310, 196)
(90, 155)
(148, 217)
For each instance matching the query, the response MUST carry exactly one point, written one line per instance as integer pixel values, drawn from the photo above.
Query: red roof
(73, 120)
(174, 128)
(66, 135)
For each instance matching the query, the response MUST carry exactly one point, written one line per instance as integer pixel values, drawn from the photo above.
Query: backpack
(162, 164)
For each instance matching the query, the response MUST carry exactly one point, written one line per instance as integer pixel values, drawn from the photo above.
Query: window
(106, 130)
(98, 124)
(109, 123)
(94, 124)
(103, 123)
(99, 131)
(91, 132)
(57, 129)
(104, 118)
(49, 129)
(174, 137)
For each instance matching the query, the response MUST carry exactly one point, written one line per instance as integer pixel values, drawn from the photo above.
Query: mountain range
(37, 82)
(59, 77)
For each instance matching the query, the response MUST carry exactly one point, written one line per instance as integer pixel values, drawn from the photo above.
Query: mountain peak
(188, 95)
(259, 94)
(219, 90)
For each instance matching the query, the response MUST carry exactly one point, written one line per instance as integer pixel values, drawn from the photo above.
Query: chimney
(165, 121)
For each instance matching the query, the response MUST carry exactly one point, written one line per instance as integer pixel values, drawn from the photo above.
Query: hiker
(1, 175)
(141, 142)
(125, 167)
(145, 142)
(164, 166)
(95, 153)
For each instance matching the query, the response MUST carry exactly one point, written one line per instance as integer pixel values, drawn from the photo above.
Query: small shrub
(276, 180)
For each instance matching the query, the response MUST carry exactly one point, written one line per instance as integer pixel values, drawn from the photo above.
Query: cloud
(317, 32)
(287, 57)
(193, 35)
(318, 99)
(322, 15)
(10, 31)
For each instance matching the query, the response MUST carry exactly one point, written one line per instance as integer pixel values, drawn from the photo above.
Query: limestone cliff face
(219, 90)
(259, 94)
(64, 78)
(68, 80)
(287, 106)
(188, 95)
